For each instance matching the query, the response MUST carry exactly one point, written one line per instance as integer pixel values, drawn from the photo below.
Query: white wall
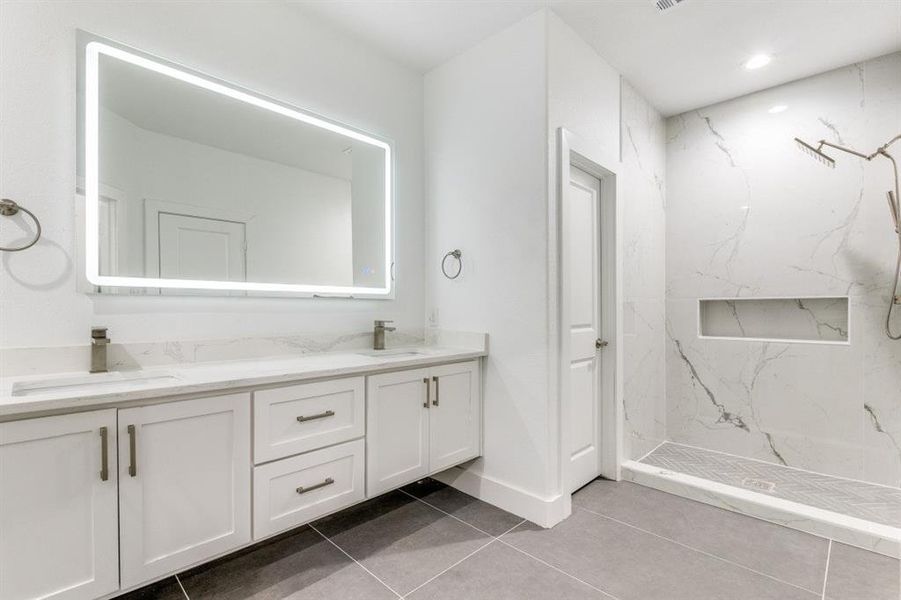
(583, 97)
(491, 119)
(586, 96)
(749, 215)
(485, 123)
(269, 47)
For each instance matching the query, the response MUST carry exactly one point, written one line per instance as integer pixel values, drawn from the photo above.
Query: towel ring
(455, 254)
(7, 209)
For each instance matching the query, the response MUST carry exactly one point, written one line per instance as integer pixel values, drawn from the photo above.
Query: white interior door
(192, 247)
(184, 483)
(582, 261)
(58, 519)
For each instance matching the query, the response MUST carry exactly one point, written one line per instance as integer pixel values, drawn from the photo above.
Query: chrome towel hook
(9, 208)
(457, 254)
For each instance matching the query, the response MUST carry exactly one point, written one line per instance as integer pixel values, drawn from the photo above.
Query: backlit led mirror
(193, 183)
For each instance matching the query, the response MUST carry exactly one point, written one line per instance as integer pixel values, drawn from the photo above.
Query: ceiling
(680, 59)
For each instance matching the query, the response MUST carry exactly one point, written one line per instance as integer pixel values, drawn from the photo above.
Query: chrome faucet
(99, 342)
(378, 334)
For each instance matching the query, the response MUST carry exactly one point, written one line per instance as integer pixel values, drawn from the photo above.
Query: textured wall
(748, 215)
(642, 178)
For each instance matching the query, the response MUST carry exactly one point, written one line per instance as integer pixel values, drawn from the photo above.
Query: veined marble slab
(750, 216)
(223, 376)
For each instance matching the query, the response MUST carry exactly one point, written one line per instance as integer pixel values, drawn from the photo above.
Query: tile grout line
(698, 550)
(434, 577)
(559, 570)
(493, 539)
(498, 538)
(183, 590)
(391, 589)
(826, 574)
(458, 518)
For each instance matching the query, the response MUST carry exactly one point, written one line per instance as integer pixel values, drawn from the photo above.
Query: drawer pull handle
(328, 413)
(428, 392)
(304, 490)
(435, 401)
(104, 454)
(132, 452)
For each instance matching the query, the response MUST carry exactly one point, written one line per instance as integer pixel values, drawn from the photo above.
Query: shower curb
(882, 539)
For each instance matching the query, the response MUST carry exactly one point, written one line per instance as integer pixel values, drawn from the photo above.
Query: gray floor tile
(166, 589)
(633, 565)
(499, 572)
(463, 506)
(787, 554)
(401, 540)
(856, 574)
(299, 566)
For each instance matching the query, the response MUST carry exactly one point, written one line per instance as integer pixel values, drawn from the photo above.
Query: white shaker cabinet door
(58, 523)
(455, 432)
(397, 429)
(184, 483)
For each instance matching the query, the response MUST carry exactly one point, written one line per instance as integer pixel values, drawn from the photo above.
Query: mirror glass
(192, 183)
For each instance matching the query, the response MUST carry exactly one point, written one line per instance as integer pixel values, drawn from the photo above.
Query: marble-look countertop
(119, 387)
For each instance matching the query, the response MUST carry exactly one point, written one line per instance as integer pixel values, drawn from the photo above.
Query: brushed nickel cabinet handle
(104, 454)
(328, 413)
(304, 490)
(435, 401)
(428, 392)
(132, 452)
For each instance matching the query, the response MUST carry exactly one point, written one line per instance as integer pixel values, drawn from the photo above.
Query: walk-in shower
(894, 203)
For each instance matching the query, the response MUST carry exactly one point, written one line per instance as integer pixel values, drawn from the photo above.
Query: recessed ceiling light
(757, 61)
(777, 109)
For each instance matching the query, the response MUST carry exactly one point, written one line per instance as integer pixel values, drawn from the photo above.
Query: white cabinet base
(176, 489)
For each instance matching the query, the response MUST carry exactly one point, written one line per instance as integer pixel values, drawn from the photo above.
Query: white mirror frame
(93, 51)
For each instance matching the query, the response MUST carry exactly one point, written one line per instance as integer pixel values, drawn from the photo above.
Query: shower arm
(894, 199)
(880, 150)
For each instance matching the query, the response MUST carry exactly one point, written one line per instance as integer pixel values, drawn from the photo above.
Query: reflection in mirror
(193, 184)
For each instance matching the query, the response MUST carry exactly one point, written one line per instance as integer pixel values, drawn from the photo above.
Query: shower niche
(816, 320)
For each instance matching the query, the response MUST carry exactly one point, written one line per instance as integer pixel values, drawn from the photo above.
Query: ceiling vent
(663, 5)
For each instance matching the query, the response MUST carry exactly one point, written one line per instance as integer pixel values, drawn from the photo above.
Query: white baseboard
(849, 530)
(545, 512)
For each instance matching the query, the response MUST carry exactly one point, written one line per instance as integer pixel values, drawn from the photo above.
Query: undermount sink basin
(94, 381)
(392, 352)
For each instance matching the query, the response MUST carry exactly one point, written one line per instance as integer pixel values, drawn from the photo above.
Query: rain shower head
(816, 153)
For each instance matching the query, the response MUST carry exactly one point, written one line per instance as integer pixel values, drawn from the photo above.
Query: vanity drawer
(294, 491)
(300, 418)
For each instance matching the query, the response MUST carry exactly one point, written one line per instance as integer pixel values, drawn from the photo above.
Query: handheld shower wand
(894, 203)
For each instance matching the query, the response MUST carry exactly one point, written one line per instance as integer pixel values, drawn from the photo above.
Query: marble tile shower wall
(749, 215)
(642, 178)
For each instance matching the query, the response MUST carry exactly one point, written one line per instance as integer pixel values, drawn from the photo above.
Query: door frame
(574, 151)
